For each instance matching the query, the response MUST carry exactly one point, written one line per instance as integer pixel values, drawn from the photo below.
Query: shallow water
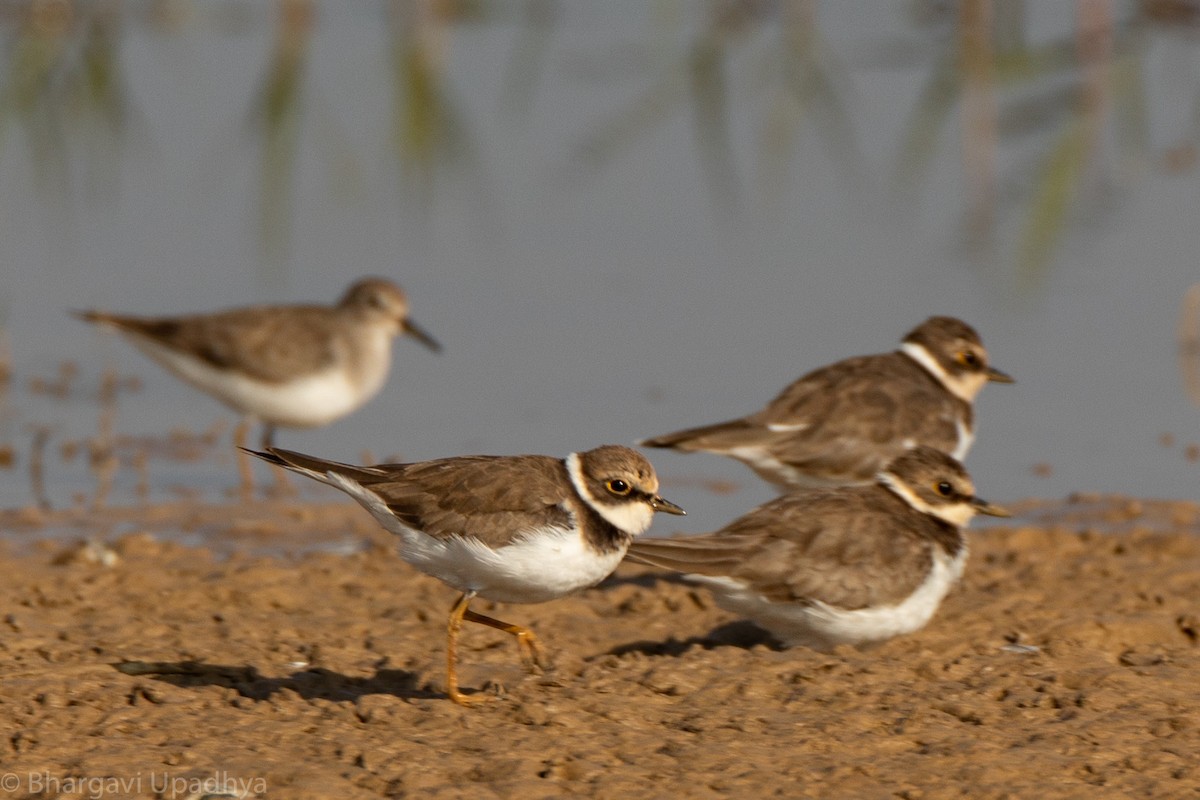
(620, 220)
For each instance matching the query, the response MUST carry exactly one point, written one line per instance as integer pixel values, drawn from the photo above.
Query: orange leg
(532, 654)
(531, 649)
(456, 617)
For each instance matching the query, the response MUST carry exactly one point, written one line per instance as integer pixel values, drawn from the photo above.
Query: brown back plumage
(276, 344)
(488, 497)
(496, 499)
(856, 415)
(273, 344)
(492, 498)
(842, 423)
(850, 547)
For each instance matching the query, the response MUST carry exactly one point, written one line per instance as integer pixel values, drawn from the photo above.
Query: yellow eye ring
(618, 487)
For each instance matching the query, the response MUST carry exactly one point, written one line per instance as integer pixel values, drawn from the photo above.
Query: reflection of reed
(979, 114)
(5, 362)
(423, 120)
(105, 452)
(1066, 164)
(276, 116)
(424, 125)
(102, 459)
(429, 134)
(37, 466)
(8, 456)
(1187, 334)
(529, 52)
(1014, 63)
(798, 73)
(810, 89)
(64, 85)
(1067, 91)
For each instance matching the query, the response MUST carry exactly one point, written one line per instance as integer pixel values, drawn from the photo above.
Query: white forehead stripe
(632, 517)
(957, 386)
(958, 514)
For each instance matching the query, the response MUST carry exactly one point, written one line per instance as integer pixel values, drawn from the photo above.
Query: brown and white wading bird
(843, 423)
(839, 565)
(514, 529)
(297, 366)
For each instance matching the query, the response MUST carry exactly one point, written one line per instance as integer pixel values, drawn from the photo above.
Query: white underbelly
(538, 566)
(542, 566)
(309, 401)
(822, 627)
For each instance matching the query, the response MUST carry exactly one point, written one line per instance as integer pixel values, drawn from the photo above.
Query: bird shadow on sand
(740, 634)
(645, 580)
(312, 683)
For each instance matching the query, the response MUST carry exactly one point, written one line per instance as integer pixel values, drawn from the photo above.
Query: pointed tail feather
(149, 327)
(310, 466)
(103, 318)
(705, 437)
(89, 315)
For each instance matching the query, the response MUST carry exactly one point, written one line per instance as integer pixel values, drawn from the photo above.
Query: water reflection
(276, 117)
(788, 61)
(1187, 334)
(1038, 118)
(62, 84)
(8, 455)
(527, 65)
(1038, 113)
(428, 131)
(1019, 137)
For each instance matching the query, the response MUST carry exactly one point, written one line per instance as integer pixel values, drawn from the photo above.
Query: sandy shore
(1065, 665)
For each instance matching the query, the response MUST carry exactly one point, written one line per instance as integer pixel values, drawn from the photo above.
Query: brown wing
(851, 418)
(271, 343)
(851, 548)
(492, 498)
(840, 421)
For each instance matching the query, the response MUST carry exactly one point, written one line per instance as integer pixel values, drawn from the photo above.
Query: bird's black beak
(997, 376)
(984, 507)
(417, 332)
(661, 504)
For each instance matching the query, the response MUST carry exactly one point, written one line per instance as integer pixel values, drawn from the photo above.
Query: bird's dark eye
(944, 489)
(968, 358)
(618, 487)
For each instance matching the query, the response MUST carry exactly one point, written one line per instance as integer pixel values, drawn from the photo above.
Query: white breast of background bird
(310, 400)
(821, 626)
